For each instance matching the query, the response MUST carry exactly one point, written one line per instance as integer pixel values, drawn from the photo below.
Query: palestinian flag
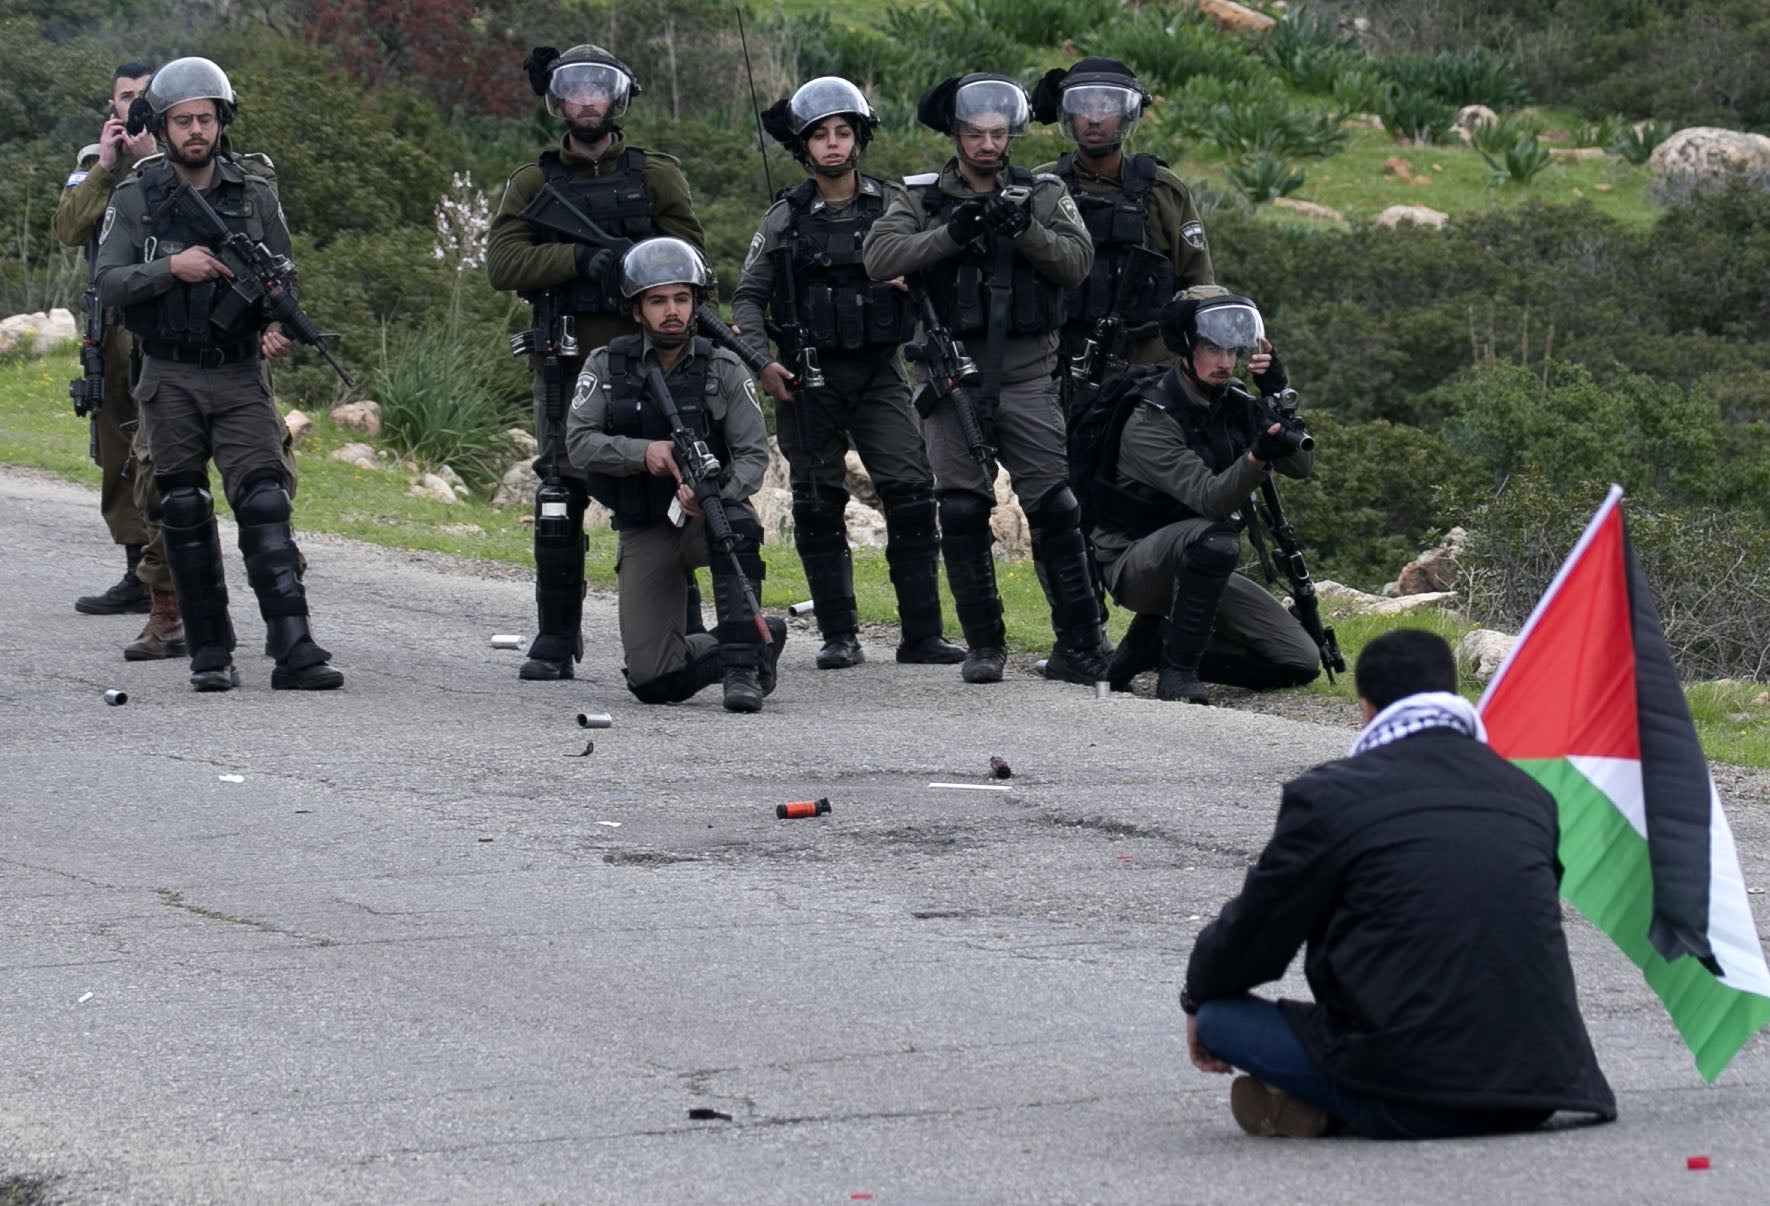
(1588, 703)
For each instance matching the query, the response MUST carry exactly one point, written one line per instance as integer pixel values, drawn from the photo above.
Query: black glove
(966, 223)
(1272, 446)
(1007, 218)
(1273, 379)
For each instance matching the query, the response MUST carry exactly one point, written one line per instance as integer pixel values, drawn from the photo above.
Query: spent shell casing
(506, 640)
(116, 698)
(594, 720)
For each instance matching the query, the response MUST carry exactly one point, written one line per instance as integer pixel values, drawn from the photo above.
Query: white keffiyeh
(1417, 713)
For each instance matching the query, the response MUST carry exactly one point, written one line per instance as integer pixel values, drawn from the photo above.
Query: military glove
(966, 223)
(1273, 379)
(1273, 446)
(1007, 218)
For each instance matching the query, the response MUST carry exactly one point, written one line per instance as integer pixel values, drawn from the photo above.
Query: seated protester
(1420, 876)
(1169, 503)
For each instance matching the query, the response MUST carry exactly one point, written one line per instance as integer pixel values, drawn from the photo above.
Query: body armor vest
(1117, 224)
(643, 498)
(1217, 434)
(184, 314)
(617, 202)
(959, 285)
(835, 303)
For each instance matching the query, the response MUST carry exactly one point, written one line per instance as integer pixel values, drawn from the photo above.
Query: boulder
(1344, 598)
(777, 477)
(298, 424)
(1708, 154)
(1481, 651)
(1422, 215)
(429, 485)
(363, 416)
(597, 516)
(20, 330)
(774, 511)
(1234, 17)
(524, 442)
(361, 455)
(1397, 168)
(58, 330)
(1007, 523)
(866, 527)
(1434, 569)
(517, 487)
(1471, 118)
(1309, 209)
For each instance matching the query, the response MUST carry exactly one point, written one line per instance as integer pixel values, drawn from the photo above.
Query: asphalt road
(395, 944)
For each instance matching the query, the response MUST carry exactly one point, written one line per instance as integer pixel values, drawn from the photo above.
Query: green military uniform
(79, 212)
(632, 194)
(607, 441)
(1027, 425)
(1186, 478)
(857, 327)
(1172, 227)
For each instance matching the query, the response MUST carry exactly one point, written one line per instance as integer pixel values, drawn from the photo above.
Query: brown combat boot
(164, 635)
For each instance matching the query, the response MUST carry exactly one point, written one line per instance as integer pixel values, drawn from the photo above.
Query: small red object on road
(802, 808)
(1696, 1163)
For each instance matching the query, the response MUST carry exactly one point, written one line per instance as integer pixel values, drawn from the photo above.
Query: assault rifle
(260, 277)
(1106, 352)
(553, 339)
(951, 375)
(87, 391)
(797, 350)
(552, 210)
(700, 469)
(1281, 408)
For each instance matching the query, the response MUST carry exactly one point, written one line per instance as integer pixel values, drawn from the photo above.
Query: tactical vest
(834, 301)
(1116, 224)
(616, 201)
(959, 285)
(185, 313)
(643, 498)
(1217, 434)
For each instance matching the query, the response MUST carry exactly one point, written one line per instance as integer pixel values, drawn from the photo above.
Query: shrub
(1708, 570)
(1168, 46)
(1266, 176)
(1264, 123)
(1636, 145)
(1521, 162)
(1414, 116)
(1457, 78)
(1311, 50)
(1036, 23)
(1495, 138)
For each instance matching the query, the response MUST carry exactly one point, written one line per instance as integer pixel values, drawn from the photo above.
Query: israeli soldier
(843, 331)
(539, 249)
(620, 436)
(79, 213)
(996, 247)
(1168, 531)
(202, 389)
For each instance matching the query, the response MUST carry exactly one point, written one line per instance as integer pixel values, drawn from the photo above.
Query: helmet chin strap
(835, 171)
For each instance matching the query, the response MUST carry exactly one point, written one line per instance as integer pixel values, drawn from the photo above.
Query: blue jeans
(1252, 1034)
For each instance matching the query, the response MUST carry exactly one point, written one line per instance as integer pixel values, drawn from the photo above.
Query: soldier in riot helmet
(568, 276)
(995, 247)
(78, 214)
(202, 390)
(1127, 201)
(619, 435)
(1168, 516)
(805, 268)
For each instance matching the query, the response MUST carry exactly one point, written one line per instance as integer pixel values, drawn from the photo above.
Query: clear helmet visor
(1233, 327)
(663, 261)
(824, 97)
(1099, 113)
(988, 105)
(599, 84)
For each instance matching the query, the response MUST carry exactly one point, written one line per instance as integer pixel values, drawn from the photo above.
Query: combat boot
(193, 557)
(743, 687)
(1197, 592)
(984, 664)
(915, 575)
(971, 573)
(273, 567)
(1140, 650)
(1061, 561)
(830, 575)
(768, 670)
(128, 594)
(164, 635)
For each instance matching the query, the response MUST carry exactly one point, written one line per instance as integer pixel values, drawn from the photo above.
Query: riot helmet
(663, 261)
(1096, 103)
(789, 121)
(581, 75)
(979, 100)
(1211, 314)
(179, 81)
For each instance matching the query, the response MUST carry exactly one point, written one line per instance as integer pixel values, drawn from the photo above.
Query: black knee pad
(263, 499)
(1216, 553)
(748, 530)
(963, 513)
(185, 504)
(909, 512)
(1057, 512)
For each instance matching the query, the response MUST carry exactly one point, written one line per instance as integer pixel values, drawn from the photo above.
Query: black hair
(1404, 662)
(133, 69)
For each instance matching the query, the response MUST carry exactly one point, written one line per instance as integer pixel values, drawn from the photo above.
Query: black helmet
(663, 261)
(1094, 87)
(1211, 314)
(179, 81)
(786, 121)
(966, 98)
(583, 70)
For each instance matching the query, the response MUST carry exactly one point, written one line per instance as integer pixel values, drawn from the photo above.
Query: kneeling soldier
(625, 440)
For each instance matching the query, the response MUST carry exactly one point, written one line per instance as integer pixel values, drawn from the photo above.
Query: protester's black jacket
(1423, 877)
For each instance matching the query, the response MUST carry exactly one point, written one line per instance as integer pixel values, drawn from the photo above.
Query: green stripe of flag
(1608, 879)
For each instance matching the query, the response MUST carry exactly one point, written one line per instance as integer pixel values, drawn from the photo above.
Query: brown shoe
(1271, 1113)
(164, 635)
